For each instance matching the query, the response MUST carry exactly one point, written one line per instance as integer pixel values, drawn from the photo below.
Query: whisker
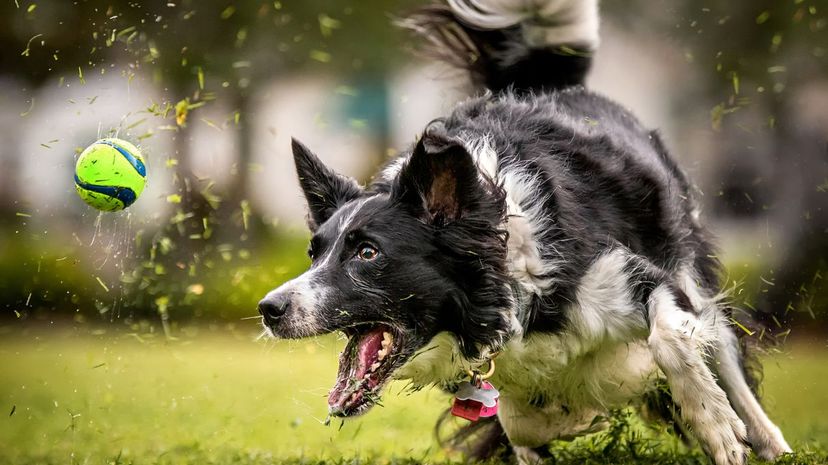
(264, 335)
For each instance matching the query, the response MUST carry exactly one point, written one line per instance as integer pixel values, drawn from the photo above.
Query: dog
(538, 221)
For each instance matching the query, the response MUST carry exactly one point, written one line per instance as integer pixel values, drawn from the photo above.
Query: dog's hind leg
(765, 438)
(680, 339)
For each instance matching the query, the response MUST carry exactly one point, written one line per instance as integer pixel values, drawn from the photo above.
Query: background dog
(540, 221)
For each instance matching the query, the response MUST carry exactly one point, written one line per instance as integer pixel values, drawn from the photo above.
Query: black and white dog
(539, 221)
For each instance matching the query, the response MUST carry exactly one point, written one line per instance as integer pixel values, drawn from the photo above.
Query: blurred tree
(52, 40)
(755, 57)
(9, 158)
(213, 50)
(197, 52)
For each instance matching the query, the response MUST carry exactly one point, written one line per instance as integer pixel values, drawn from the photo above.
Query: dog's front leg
(680, 339)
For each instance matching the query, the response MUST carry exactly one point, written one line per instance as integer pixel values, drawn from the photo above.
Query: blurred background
(212, 91)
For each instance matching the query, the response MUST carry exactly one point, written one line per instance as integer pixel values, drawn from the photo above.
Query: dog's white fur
(526, 217)
(680, 342)
(307, 298)
(576, 21)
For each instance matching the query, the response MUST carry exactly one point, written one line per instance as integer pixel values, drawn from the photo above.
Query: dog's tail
(523, 45)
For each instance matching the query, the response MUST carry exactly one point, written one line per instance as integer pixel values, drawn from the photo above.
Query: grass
(214, 396)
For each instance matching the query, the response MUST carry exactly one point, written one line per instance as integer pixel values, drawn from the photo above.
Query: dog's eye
(310, 252)
(367, 252)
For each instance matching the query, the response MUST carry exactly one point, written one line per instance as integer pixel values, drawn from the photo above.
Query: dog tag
(472, 402)
(468, 409)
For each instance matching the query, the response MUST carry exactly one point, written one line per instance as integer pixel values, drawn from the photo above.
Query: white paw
(727, 443)
(769, 444)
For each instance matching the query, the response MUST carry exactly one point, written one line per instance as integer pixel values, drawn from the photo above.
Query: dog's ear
(440, 182)
(325, 190)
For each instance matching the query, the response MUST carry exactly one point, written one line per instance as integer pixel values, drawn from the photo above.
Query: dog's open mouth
(365, 365)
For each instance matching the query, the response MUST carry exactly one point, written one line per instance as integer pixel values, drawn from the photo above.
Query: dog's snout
(273, 308)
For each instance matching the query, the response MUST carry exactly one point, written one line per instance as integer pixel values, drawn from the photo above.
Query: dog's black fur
(424, 248)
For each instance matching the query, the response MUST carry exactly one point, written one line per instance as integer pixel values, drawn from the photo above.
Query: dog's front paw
(727, 445)
(768, 443)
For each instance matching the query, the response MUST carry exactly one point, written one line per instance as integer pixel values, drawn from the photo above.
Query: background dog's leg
(678, 339)
(765, 437)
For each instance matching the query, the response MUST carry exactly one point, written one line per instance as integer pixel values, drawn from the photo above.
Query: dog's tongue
(354, 362)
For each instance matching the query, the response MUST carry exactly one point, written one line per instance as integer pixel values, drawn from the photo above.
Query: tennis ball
(110, 174)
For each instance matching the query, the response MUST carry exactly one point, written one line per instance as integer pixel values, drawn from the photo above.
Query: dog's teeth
(387, 339)
(375, 366)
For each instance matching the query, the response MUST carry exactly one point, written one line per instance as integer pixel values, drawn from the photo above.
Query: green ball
(110, 174)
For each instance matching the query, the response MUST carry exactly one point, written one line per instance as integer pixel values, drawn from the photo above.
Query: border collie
(538, 221)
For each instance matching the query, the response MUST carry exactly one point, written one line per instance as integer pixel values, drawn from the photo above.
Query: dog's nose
(273, 308)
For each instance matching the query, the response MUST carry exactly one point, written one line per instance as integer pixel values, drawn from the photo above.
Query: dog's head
(396, 264)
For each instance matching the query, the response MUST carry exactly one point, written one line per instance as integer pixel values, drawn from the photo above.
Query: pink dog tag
(468, 409)
(472, 402)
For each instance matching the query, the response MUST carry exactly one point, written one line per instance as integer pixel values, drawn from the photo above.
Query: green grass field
(217, 396)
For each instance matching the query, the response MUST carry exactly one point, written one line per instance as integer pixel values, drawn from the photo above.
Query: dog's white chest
(547, 369)
(553, 368)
